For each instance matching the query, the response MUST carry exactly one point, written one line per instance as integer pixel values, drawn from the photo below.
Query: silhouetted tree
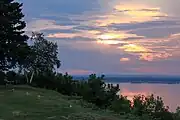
(43, 57)
(177, 114)
(152, 106)
(13, 42)
(2, 77)
(121, 105)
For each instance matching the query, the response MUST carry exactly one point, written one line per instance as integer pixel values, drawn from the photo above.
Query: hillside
(27, 103)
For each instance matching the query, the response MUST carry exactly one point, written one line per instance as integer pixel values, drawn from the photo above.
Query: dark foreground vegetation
(34, 65)
(28, 103)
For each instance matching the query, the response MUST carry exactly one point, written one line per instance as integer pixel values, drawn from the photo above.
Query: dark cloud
(161, 32)
(60, 20)
(149, 10)
(148, 24)
(53, 31)
(133, 38)
(145, 10)
(83, 27)
(80, 38)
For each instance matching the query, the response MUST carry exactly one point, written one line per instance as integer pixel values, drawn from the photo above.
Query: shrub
(2, 77)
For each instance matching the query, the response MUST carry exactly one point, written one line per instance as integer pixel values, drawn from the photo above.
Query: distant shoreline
(137, 79)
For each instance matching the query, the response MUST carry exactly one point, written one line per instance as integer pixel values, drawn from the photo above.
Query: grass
(27, 103)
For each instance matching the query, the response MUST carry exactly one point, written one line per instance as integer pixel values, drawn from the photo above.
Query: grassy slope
(17, 105)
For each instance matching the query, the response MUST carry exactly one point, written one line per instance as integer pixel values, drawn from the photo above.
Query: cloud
(39, 25)
(91, 34)
(157, 32)
(134, 48)
(92, 46)
(124, 59)
(112, 35)
(139, 10)
(155, 56)
(145, 25)
(107, 32)
(86, 27)
(133, 38)
(62, 35)
(128, 12)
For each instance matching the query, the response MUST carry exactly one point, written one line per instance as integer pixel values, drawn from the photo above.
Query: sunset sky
(110, 36)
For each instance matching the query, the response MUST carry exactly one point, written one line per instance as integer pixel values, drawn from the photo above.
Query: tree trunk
(31, 77)
(27, 80)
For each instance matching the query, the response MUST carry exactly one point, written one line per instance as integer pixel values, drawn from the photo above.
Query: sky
(110, 36)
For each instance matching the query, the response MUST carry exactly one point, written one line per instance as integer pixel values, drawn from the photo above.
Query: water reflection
(169, 92)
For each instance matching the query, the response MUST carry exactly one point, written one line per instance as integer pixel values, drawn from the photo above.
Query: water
(159, 85)
(169, 92)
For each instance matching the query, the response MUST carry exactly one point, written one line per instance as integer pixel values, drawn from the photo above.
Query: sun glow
(134, 48)
(109, 42)
(128, 12)
(108, 36)
(112, 38)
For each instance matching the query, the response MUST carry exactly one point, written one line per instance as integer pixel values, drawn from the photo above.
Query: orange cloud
(94, 32)
(116, 35)
(134, 48)
(124, 59)
(153, 56)
(88, 34)
(146, 57)
(130, 12)
(117, 19)
(139, 10)
(144, 53)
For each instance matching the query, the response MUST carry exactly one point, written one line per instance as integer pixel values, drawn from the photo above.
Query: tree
(153, 106)
(177, 114)
(43, 56)
(13, 42)
(94, 91)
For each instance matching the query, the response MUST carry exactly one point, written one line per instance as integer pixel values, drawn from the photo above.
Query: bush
(121, 105)
(2, 77)
(152, 106)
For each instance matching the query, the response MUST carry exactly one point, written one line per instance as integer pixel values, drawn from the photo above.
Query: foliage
(94, 91)
(96, 95)
(152, 106)
(177, 114)
(2, 77)
(13, 43)
(43, 57)
(121, 105)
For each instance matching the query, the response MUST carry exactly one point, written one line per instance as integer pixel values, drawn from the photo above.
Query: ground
(27, 103)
